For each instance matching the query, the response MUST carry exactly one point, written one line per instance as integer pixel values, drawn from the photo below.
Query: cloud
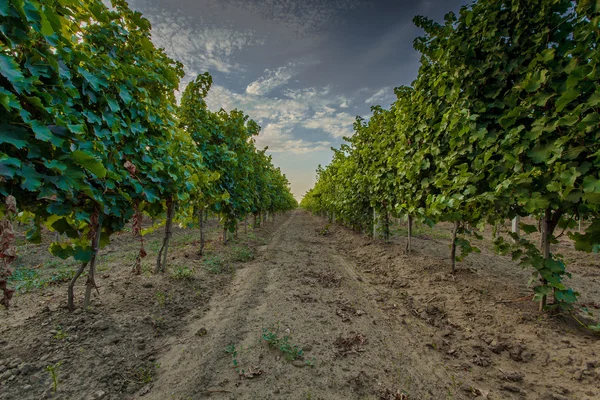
(278, 138)
(260, 108)
(271, 80)
(285, 119)
(337, 125)
(380, 95)
(199, 44)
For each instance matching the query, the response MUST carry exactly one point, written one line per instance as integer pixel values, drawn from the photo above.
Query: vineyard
(149, 249)
(93, 139)
(501, 123)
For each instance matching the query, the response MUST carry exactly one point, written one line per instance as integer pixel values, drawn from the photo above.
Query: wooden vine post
(409, 235)
(515, 225)
(453, 248)
(201, 222)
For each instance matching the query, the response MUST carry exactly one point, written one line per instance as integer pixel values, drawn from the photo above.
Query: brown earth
(372, 323)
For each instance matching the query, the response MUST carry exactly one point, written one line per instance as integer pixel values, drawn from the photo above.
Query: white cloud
(312, 108)
(336, 124)
(278, 138)
(199, 44)
(260, 108)
(271, 80)
(380, 95)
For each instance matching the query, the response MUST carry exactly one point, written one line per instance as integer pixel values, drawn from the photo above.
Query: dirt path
(372, 323)
(302, 286)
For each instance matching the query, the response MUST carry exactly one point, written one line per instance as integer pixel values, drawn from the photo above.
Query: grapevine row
(92, 138)
(503, 120)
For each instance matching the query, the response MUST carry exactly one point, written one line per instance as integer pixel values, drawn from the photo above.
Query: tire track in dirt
(187, 368)
(303, 287)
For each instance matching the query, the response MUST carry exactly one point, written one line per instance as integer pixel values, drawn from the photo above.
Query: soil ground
(300, 309)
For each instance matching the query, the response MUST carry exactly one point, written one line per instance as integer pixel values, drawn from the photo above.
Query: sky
(303, 69)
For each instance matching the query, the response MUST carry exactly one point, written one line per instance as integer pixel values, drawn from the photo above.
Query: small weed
(53, 370)
(325, 230)
(60, 334)
(290, 351)
(147, 268)
(153, 245)
(232, 350)
(182, 273)
(64, 274)
(184, 239)
(162, 298)
(25, 279)
(311, 362)
(52, 264)
(251, 236)
(242, 254)
(145, 374)
(213, 264)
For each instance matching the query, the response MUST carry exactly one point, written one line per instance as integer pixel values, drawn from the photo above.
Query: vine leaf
(89, 162)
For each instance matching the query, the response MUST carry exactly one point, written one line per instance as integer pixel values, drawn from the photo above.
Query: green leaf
(89, 162)
(62, 225)
(541, 152)
(569, 177)
(78, 129)
(55, 165)
(589, 239)
(125, 95)
(535, 81)
(44, 134)
(591, 119)
(554, 187)
(66, 250)
(32, 180)
(91, 78)
(8, 100)
(594, 99)
(151, 197)
(527, 228)
(566, 98)
(568, 120)
(14, 134)
(11, 71)
(535, 202)
(591, 184)
(4, 8)
(542, 290)
(34, 234)
(46, 27)
(566, 296)
(9, 165)
(112, 103)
